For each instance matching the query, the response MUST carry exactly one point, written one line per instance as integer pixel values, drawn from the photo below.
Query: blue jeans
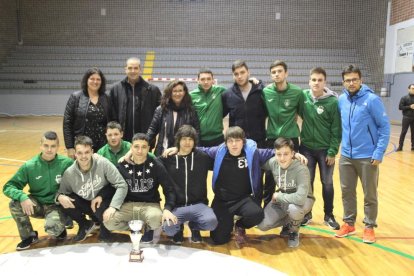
(318, 157)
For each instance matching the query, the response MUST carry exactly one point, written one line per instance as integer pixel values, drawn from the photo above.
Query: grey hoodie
(293, 183)
(87, 185)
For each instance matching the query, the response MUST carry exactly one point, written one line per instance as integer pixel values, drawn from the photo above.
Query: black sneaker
(68, 222)
(26, 243)
(196, 236)
(84, 231)
(293, 240)
(399, 149)
(285, 231)
(179, 237)
(148, 236)
(62, 235)
(307, 219)
(331, 222)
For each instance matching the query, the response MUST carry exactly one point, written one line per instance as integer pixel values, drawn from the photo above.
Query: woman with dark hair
(87, 112)
(176, 109)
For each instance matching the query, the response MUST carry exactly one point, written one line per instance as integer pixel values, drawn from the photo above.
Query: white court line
(15, 160)
(20, 130)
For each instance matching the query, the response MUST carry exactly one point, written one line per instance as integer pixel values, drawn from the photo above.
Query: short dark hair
(83, 140)
(90, 72)
(205, 71)
(50, 135)
(113, 125)
(318, 70)
(284, 142)
(166, 96)
(140, 136)
(278, 63)
(409, 86)
(235, 132)
(185, 131)
(351, 69)
(237, 64)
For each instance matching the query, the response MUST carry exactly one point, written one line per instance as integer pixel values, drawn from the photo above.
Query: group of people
(98, 192)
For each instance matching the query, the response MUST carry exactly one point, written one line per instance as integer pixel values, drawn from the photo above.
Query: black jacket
(250, 115)
(189, 175)
(150, 98)
(162, 124)
(405, 103)
(74, 118)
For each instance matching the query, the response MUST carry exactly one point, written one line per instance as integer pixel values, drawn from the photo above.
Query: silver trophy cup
(136, 254)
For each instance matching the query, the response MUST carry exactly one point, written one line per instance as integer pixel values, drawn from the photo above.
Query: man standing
(244, 104)
(84, 190)
(208, 104)
(43, 174)
(116, 147)
(283, 101)
(407, 107)
(320, 138)
(134, 100)
(365, 136)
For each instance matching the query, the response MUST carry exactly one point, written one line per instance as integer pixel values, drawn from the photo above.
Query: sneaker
(345, 230)
(62, 235)
(307, 219)
(195, 236)
(331, 222)
(107, 237)
(84, 231)
(285, 231)
(399, 149)
(369, 235)
(240, 234)
(179, 237)
(148, 236)
(68, 223)
(26, 243)
(293, 240)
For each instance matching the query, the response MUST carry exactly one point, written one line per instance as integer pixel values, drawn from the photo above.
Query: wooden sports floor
(320, 253)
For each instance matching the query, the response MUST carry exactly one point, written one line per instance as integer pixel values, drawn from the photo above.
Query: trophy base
(136, 257)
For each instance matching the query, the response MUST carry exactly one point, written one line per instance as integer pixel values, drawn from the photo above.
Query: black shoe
(399, 149)
(293, 240)
(62, 235)
(26, 243)
(196, 236)
(331, 222)
(285, 231)
(307, 219)
(84, 231)
(107, 237)
(148, 236)
(179, 237)
(68, 222)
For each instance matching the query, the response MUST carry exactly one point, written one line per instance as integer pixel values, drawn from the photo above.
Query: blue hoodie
(365, 125)
(255, 159)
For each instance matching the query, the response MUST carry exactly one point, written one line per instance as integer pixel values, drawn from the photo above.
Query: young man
(43, 174)
(116, 147)
(244, 104)
(407, 107)
(134, 100)
(320, 138)
(365, 136)
(208, 104)
(292, 198)
(142, 202)
(188, 170)
(283, 101)
(86, 189)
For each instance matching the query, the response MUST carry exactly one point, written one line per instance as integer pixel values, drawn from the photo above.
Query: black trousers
(407, 122)
(250, 211)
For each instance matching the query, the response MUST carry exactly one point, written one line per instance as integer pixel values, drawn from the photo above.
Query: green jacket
(321, 126)
(42, 177)
(282, 108)
(107, 152)
(209, 108)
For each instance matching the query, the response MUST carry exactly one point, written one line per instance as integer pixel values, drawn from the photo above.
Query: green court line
(4, 218)
(388, 249)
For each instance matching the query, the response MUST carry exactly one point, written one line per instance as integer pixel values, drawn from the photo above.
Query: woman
(175, 110)
(87, 112)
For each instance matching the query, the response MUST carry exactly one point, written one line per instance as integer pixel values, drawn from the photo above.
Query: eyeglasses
(348, 81)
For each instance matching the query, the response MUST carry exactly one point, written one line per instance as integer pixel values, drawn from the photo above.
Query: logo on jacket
(286, 102)
(38, 177)
(58, 178)
(320, 110)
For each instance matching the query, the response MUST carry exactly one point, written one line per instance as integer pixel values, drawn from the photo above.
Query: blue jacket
(365, 125)
(255, 159)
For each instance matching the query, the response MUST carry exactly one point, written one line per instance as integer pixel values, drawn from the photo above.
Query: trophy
(136, 254)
